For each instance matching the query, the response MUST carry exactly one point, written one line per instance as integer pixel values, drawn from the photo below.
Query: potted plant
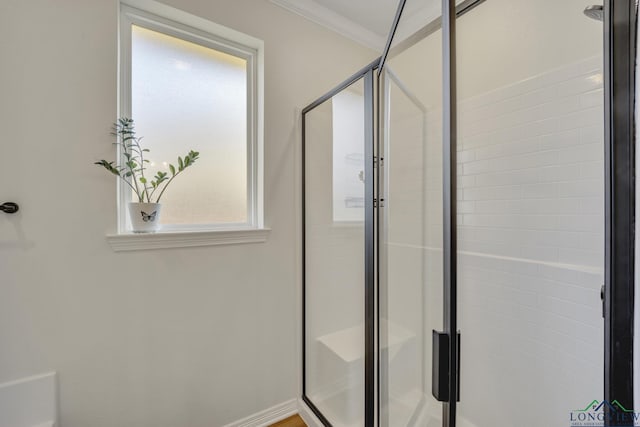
(145, 213)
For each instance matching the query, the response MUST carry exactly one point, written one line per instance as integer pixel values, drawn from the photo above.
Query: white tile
(592, 170)
(592, 241)
(581, 153)
(579, 69)
(555, 140)
(540, 253)
(568, 327)
(547, 206)
(560, 239)
(491, 235)
(592, 205)
(486, 248)
(593, 258)
(466, 156)
(466, 207)
(477, 141)
(568, 292)
(532, 222)
(587, 188)
(576, 87)
(560, 173)
(588, 223)
(493, 206)
(592, 98)
(494, 265)
(572, 276)
(525, 161)
(583, 350)
(526, 176)
(472, 168)
(592, 133)
(511, 294)
(583, 118)
(508, 149)
(535, 207)
(532, 113)
(540, 191)
(493, 193)
(466, 233)
(589, 315)
(494, 109)
(467, 181)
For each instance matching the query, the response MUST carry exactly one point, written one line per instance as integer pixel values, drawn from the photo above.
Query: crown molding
(321, 15)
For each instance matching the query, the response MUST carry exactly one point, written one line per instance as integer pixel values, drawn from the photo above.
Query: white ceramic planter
(145, 217)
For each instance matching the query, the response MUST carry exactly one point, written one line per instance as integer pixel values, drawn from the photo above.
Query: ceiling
(374, 15)
(366, 21)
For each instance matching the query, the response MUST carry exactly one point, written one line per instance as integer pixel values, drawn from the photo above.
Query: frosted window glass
(187, 96)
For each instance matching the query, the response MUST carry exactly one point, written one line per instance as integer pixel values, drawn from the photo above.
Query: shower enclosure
(465, 199)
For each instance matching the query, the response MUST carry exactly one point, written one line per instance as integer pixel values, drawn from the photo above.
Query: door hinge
(378, 203)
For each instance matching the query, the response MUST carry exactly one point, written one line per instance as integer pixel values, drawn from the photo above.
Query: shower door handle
(440, 362)
(9, 207)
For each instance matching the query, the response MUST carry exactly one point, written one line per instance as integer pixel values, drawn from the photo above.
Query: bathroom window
(190, 84)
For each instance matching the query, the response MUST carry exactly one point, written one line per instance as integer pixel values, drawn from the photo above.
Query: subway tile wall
(531, 175)
(531, 222)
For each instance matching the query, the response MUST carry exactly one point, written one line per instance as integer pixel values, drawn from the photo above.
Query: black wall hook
(9, 207)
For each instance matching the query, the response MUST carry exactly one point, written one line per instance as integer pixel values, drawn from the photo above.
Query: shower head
(595, 12)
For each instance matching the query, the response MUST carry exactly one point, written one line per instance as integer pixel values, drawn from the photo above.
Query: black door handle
(9, 207)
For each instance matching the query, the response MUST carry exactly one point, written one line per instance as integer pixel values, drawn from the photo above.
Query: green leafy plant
(134, 168)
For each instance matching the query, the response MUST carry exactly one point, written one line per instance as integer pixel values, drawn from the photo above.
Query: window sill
(185, 239)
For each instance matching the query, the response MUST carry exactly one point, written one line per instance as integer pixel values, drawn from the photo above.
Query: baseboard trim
(268, 416)
(307, 415)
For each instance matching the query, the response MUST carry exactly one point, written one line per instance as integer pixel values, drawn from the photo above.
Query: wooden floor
(294, 421)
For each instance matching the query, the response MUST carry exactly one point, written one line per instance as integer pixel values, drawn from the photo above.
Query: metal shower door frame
(620, 25)
(448, 25)
(367, 75)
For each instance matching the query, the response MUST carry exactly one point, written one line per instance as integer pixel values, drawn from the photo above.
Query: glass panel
(334, 257)
(530, 170)
(411, 258)
(186, 96)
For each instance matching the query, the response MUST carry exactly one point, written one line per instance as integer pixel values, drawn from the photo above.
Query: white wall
(175, 338)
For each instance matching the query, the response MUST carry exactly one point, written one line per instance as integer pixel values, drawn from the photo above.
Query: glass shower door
(411, 220)
(531, 230)
(337, 287)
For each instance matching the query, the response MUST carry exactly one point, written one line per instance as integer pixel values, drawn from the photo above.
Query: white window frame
(173, 22)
